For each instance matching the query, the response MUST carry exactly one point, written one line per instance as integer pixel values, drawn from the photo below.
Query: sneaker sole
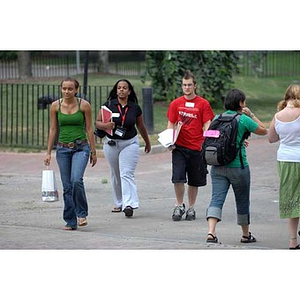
(176, 219)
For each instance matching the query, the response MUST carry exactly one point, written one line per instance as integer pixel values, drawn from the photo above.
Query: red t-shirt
(193, 114)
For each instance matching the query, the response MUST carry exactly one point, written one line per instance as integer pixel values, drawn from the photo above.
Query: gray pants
(123, 158)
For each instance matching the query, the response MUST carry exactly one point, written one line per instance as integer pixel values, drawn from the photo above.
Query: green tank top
(71, 127)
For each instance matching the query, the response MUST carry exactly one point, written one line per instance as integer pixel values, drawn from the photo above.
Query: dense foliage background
(213, 69)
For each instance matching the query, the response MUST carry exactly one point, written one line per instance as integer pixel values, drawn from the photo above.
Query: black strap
(241, 158)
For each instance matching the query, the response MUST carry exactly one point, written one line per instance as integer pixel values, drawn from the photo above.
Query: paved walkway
(29, 223)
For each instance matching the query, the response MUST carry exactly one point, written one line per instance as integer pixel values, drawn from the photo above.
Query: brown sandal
(116, 209)
(82, 222)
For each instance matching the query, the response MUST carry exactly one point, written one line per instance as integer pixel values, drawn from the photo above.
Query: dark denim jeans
(72, 164)
(239, 179)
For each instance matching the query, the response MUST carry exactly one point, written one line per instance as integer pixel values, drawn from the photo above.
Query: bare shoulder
(288, 114)
(55, 104)
(84, 104)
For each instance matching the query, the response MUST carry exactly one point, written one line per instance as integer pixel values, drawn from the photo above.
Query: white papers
(169, 136)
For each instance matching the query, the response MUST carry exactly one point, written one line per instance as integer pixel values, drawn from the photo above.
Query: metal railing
(24, 112)
(267, 64)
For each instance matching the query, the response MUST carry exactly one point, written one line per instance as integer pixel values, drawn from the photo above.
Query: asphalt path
(29, 223)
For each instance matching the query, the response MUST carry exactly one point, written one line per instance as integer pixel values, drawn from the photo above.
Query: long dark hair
(131, 97)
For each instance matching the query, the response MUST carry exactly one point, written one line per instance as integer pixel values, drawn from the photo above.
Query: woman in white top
(285, 127)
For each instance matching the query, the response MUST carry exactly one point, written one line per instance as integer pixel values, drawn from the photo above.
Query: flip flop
(82, 221)
(116, 209)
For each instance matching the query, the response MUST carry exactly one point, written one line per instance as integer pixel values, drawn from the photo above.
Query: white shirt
(289, 134)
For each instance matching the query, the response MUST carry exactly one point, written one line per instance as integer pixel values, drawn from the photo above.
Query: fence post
(85, 75)
(147, 93)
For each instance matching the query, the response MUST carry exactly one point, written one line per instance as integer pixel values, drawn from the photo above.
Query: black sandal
(214, 239)
(248, 239)
(295, 248)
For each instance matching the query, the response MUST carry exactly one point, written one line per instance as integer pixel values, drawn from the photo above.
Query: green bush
(213, 70)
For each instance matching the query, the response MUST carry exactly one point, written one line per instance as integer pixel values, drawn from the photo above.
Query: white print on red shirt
(187, 115)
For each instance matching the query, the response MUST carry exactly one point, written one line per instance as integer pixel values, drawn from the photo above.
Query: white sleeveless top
(289, 134)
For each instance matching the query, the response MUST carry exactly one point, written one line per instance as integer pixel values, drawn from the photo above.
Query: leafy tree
(213, 71)
(8, 55)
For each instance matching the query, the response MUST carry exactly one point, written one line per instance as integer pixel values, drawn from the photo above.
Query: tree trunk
(24, 64)
(103, 65)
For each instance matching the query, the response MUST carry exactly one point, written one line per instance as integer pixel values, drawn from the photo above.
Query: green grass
(263, 94)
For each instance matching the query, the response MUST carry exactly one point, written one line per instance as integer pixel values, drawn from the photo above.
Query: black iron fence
(268, 64)
(24, 112)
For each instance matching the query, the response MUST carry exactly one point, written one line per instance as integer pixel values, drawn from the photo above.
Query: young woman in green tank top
(71, 117)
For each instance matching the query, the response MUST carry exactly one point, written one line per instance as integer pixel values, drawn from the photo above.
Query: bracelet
(252, 115)
(93, 152)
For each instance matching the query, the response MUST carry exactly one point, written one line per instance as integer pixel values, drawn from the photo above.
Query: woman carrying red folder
(121, 149)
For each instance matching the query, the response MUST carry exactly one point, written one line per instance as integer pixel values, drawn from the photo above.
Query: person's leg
(179, 189)
(64, 157)
(192, 195)
(240, 180)
(212, 223)
(220, 186)
(128, 161)
(293, 228)
(179, 162)
(179, 179)
(111, 153)
(79, 162)
(196, 173)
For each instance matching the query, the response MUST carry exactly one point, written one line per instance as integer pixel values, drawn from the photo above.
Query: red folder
(106, 115)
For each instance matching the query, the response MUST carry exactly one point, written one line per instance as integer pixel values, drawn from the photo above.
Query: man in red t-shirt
(188, 166)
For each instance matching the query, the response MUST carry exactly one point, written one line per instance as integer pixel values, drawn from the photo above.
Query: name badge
(120, 131)
(115, 115)
(189, 104)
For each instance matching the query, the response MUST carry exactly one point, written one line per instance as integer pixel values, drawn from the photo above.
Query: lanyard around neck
(123, 115)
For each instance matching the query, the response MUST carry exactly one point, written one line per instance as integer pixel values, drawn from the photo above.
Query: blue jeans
(222, 178)
(72, 164)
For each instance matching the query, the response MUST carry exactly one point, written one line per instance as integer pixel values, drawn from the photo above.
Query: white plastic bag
(49, 187)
